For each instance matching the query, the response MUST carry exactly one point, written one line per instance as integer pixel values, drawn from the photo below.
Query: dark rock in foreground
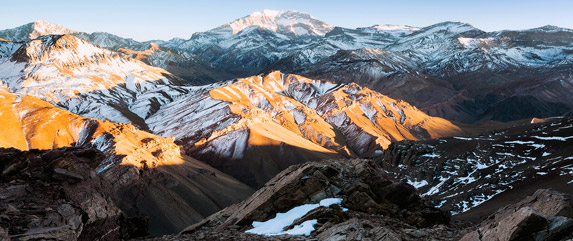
(378, 208)
(545, 215)
(56, 195)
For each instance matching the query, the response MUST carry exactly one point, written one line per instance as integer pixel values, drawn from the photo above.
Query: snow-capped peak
(64, 48)
(43, 27)
(285, 21)
(270, 13)
(447, 29)
(34, 30)
(394, 27)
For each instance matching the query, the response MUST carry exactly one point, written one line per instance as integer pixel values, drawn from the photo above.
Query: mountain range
(222, 122)
(188, 127)
(452, 70)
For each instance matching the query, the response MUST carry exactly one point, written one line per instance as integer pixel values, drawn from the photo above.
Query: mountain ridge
(35, 28)
(287, 118)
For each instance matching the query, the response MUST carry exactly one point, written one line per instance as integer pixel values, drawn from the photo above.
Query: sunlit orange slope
(318, 111)
(254, 127)
(30, 123)
(174, 190)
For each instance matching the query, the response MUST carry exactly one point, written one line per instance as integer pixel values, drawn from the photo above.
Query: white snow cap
(284, 21)
(394, 27)
(43, 27)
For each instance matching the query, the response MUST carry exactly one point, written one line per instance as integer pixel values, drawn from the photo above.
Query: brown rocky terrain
(545, 215)
(373, 206)
(57, 195)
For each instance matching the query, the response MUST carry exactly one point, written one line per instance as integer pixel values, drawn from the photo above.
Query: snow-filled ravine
(277, 225)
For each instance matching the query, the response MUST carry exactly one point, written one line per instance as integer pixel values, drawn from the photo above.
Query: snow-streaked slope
(111, 41)
(452, 66)
(391, 73)
(264, 114)
(277, 225)
(183, 64)
(72, 73)
(435, 42)
(40, 28)
(285, 39)
(460, 173)
(7, 48)
(395, 27)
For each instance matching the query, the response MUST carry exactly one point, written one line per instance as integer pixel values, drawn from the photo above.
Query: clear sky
(146, 20)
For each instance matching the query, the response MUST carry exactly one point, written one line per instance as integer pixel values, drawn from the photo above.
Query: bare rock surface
(56, 195)
(377, 207)
(545, 215)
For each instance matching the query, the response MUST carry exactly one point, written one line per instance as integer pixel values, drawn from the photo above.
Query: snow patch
(553, 138)
(431, 155)
(417, 184)
(520, 142)
(276, 225)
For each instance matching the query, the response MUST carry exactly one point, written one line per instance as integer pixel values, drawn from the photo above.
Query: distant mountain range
(449, 69)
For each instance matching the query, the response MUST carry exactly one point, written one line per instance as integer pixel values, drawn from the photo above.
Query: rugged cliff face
(57, 195)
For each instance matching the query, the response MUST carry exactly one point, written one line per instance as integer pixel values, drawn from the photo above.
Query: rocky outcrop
(56, 195)
(373, 206)
(545, 215)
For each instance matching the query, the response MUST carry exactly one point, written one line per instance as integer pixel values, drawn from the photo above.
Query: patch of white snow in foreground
(276, 225)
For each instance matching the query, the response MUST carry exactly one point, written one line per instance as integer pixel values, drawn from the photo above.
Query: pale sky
(147, 20)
